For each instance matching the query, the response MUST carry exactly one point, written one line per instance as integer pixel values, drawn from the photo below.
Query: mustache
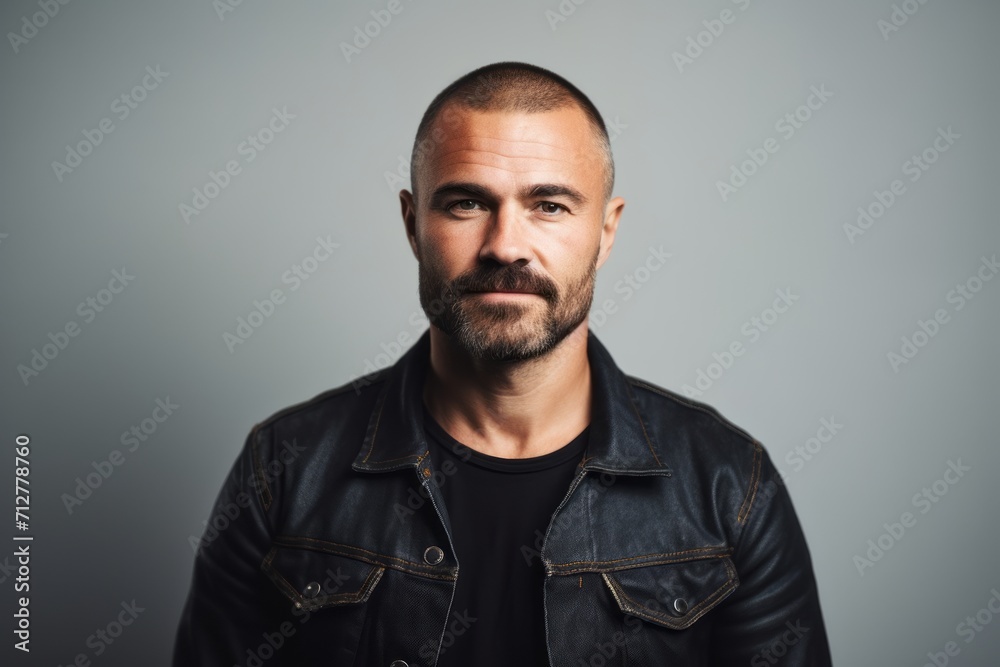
(508, 278)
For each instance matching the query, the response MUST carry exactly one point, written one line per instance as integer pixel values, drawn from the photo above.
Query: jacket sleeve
(231, 604)
(773, 616)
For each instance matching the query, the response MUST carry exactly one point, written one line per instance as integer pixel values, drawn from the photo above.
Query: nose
(506, 238)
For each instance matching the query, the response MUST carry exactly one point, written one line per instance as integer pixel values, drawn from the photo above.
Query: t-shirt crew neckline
(573, 449)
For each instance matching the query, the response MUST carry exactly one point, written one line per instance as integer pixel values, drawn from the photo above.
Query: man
(504, 494)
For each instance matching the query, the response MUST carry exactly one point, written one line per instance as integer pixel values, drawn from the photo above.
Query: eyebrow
(534, 191)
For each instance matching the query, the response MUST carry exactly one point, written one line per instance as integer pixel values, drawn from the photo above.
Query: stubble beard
(506, 331)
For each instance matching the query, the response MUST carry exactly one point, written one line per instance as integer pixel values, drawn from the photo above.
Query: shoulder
(671, 410)
(305, 438)
(705, 450)
(346, 399)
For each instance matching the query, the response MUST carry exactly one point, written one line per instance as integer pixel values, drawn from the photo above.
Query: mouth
(502, 294)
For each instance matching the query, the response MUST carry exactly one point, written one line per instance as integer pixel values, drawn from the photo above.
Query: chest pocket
(674, 595)
(313, 580)
(351, 607)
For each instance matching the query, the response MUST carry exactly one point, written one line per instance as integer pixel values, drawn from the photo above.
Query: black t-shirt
(499, 510)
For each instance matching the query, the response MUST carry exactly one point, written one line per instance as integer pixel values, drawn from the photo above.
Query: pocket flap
(674, 595)
(317, 579)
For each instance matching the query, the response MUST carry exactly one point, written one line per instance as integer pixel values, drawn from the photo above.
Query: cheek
(574, 251)
(449, 246)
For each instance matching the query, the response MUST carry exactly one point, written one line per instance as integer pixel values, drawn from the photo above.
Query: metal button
(398, 663)
(433, 555)
(680, 605)
(311, 590)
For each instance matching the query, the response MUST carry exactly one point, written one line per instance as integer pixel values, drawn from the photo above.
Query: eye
(463, 205)
(551, 208)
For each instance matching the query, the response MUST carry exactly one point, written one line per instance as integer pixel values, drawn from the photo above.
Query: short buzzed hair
(511, 86)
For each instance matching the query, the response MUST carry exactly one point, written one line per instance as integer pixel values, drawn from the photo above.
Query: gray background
(681, 129)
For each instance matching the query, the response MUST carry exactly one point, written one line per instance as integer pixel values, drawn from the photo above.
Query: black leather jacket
(329, 544)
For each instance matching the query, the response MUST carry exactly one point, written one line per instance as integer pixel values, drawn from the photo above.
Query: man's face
(509, 228)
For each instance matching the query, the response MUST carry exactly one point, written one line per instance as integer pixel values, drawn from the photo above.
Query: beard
(507, 331)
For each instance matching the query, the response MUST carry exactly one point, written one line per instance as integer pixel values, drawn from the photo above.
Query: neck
(515, 409)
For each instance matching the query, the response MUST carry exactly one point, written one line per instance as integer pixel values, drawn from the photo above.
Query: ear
(409, 210)
(612, 214)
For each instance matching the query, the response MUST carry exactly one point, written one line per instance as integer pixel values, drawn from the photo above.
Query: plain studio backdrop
(812, 185)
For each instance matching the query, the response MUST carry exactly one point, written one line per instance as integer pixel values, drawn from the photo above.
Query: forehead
(513, 145)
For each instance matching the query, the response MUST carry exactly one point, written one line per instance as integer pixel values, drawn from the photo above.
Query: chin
(505, 344)
(506, 353)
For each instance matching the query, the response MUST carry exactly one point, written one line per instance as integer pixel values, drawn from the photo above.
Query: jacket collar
(618, 443)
